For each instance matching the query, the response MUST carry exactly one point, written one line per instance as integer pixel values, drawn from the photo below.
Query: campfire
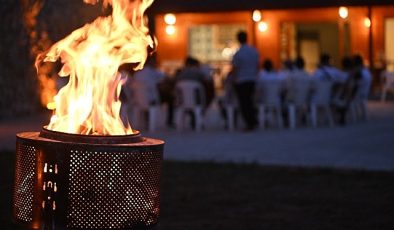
(88, 168)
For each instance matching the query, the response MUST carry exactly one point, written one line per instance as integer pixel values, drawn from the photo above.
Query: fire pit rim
(91, 139)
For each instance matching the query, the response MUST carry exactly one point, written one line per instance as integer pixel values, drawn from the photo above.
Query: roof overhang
(183, 6)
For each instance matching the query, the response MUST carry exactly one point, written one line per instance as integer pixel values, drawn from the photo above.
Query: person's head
(299, 62)
(347, 63)
(267, 65)
(358, 60)
(325, 59)
(242, 37)
(191, 61)
(288, 64)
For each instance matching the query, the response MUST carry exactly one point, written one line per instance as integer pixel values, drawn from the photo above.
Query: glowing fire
(89, 104)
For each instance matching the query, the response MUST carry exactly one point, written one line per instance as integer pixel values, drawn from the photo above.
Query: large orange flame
(89, 104)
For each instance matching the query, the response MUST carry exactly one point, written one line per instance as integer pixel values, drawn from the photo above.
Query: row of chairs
(304, 99)
(143, 105)
(270, 100)
(190, 98)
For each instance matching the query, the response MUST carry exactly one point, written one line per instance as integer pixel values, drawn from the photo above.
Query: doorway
(310, 40)
(389, 44)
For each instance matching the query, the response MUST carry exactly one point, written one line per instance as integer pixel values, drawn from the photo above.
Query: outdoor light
(263, 26)
(170, 19)
(343, 12)
(367, 22)
(170, 29)
(256, 15)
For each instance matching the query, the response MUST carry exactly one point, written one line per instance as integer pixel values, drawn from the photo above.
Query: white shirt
(246, 64)
(329, 73)
(270, 76)
(365, 82)
(144, 85)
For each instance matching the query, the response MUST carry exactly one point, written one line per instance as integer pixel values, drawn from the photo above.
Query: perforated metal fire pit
(86, 182)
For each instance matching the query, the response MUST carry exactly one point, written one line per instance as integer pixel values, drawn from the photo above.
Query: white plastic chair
(388, 83)
(145, 100)
(298, 92)
(231, 105)
(321, 99)
(268, 96)
(190, 96)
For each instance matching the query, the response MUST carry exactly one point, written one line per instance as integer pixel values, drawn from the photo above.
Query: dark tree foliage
(14, 60)
(20, 30)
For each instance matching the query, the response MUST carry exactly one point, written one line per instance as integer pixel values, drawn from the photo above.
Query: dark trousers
(245, 92)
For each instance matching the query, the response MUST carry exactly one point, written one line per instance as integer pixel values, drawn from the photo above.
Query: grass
(204, 195)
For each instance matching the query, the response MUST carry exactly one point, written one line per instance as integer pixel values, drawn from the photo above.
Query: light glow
(343, 12)
(170, 29)
(256, 16)
(367, 22)
(263, 26)
(170, 19)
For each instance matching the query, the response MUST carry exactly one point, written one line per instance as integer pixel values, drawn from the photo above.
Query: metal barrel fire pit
(86, 182)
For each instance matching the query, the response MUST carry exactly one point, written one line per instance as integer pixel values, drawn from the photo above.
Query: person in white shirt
(296, 78)
(288, 68)
(326, 71)
(356, 87)
(298, 71)
(146, 81)
(268, 73)
(366, 77)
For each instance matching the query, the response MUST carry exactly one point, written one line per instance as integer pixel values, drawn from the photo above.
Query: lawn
(205, 195)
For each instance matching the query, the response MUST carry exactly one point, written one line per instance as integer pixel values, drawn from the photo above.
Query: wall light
(343, 12)
(170, 29)
(170, 19)
(263, 26)
(367, 22)
(256, 16)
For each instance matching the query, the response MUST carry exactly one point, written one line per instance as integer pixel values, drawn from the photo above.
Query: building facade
(282, 32)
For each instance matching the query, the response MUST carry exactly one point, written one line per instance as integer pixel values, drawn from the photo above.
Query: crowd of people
(241, 83)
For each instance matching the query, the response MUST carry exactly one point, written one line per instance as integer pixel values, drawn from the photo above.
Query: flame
(91, 55)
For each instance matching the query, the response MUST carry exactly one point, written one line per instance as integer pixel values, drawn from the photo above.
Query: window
(213, 43)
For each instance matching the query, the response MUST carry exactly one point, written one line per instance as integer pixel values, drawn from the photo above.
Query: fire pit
(91, 182)
(88, 169)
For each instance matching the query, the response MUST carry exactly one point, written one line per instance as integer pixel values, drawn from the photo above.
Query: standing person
(245, 65)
